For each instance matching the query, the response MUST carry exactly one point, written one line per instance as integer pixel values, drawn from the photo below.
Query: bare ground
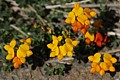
(77, 72)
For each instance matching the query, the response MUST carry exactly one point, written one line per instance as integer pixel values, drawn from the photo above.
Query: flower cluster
(61, 50)
(21, 53)
(98, 39)
(101, 66)
(79, 18)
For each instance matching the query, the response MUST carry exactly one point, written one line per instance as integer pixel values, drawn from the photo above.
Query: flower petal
(60, 57)
(70, 54)
(91, 58)
(21, 53)
(28, 41)
(114, 60)
(7, 47)
(98, 68)
(22, 59)
(104, 66)
(112, 69)
(90, 36)
(9, 57)
(94, 64)
(74, 43)
(29, 53)
(16, 65)
(107, 57)
(52, 54)
(92, 70)
(93, 14)
(62, 50)
(68, 20)
(24, 47)
(59, 38)
(97, 55)
(13, 43)
(102, 72)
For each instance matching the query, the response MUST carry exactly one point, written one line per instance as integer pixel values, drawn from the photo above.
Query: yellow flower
(55, 42)
(68, 46)
(71, 18)
(104, 66)
(60, 57)
(59, 52)
(62, 52)
(55, 49)
(52, 46)
(107, 57)
(55, 52)
(27, 41)
(82, 19)
(68, 50)
(89, 36)
(24, 51)
(89, 13)
(70, 43)
(77, 9)
(10, 49)
(95, 58)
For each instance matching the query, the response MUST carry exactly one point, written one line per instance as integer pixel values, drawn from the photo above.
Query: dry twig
(83, 5)
(19, 30)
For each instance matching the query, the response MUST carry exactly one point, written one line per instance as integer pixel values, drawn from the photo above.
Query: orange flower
(105, 39)
(75, 29)
(98, 39)
(16, 62)
(87, 41)
(102, 72)
(76, 26)
(35, 25)
(83, 30)
(95, 67)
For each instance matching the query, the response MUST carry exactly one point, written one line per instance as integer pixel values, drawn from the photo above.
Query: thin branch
(111, 51)
(83, 5)
(64, 60)
(114, 34)
(19, 30)
(80, 2)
